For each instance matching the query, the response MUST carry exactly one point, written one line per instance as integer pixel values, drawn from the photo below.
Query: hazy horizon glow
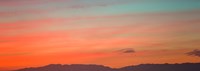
(114, 33)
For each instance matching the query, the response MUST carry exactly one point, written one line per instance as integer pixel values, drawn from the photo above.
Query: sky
(113, 33)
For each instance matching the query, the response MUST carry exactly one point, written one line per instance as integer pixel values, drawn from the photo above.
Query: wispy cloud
(14, 3)
(14, 54)
(3, 41)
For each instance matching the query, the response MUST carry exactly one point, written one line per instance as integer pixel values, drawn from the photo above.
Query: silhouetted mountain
(163, 67)
(142, 67)
(73, 67)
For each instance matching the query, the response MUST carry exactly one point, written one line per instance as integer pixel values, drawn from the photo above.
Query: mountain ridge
(93, 67)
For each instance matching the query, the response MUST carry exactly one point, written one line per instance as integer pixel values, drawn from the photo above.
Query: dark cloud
(195, 52)
(127, 50)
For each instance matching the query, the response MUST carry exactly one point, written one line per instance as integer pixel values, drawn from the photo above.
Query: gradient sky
(114, 33)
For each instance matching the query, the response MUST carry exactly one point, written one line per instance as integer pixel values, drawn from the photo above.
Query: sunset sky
(113, 33)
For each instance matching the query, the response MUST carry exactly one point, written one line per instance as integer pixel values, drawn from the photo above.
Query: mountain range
(142, 67)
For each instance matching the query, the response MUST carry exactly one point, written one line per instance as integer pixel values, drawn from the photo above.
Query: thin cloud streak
(126, 50)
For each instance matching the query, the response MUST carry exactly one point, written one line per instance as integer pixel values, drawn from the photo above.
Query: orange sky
(112, 33)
